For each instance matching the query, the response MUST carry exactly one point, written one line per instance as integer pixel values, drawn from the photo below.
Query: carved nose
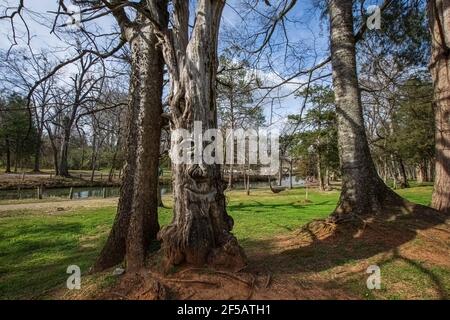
(198, 171)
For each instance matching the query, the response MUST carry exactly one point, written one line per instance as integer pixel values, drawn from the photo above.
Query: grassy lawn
(35, 249)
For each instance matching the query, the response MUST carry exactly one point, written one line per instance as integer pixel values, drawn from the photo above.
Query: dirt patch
(214, 285)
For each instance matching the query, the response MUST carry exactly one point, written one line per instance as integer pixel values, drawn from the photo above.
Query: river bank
(15, 181)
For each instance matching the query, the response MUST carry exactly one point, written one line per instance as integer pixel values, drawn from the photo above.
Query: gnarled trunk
(200, 232)
(136, 222)
(439, 17)
(363, 191)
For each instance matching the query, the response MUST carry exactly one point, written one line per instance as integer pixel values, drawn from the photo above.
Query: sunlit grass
(35, 249)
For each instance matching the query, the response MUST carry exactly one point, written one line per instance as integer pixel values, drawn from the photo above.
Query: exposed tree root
(120, 295)
(220, 272)
(192, 281)
(409, 217)
(268, 281)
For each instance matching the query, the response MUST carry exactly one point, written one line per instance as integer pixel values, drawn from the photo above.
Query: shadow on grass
(266, 207)
(312, 251)
(35, 258)
(434, 278)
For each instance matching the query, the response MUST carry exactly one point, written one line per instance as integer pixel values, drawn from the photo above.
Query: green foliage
(413, 123)
(405, 32)
(16, 131)
(318, 139)
(404, 38)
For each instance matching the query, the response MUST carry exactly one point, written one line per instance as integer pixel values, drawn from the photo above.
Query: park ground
(290, 255)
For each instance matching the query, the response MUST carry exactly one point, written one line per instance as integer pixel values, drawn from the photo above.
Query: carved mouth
(203, 195)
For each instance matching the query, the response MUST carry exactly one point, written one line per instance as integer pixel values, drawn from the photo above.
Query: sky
(307, 32)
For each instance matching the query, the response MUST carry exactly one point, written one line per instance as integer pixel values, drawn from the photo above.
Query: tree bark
(200, 232)
(136, 222)
(280, 172)
(290, 174)
(320, 177)
(230, 177)
(16, 154)
(363, 191)
(94, 156)
(63, 167)
(144, 224)
(37, 152)
(8, 156)
(54, 149)
(422, 172)
(247, 181)
(403, 176)
(83, 151)
(233, 125)
(114, 159)
(439, 17)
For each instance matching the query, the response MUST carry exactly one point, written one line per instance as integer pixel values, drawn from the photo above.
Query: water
(97, 192)
(78, 193)
(296, 182)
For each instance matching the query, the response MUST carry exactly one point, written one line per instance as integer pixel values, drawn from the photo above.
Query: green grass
(264, 214)
(35, 249)
(403, 278)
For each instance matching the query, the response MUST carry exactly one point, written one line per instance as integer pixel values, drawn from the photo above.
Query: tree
(192, 66)
(387, 60)
(85, 86)
(439, 18)
(200, 232)
(16, 133)
(413, 124)
(235, 86)
(363, 192)
(19, 71)
(143, 116)
(136, 222)
(319, 134)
